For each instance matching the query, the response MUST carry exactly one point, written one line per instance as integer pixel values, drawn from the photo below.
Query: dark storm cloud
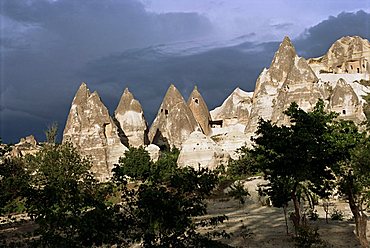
(49, 48)
(316, 40)
(148, 72)
(44, 44)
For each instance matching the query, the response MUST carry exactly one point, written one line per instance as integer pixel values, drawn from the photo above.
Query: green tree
(51, 133)
(354, 184)
(68, 204)
(165, 203)
(244, 166)
(13, 184)
(135, 163)
(299, 156)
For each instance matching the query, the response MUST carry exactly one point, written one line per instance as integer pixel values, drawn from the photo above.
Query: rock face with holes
(130, 117)
(347, 55)
(344, 101)
(235, 109)
(199, 151)
(174, 121)
(90, 128)
(200, 111)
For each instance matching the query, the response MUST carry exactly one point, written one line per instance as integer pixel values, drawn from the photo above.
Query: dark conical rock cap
(200, 110)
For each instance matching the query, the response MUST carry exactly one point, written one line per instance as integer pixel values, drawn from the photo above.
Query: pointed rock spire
(200, 110)
(174, 121)
(90, 128)
(288, 79)
(130, 117)
(283, 61)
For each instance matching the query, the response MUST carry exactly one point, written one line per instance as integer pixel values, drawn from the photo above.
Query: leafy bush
(164, 205)
(136, 164)
(244, 166)
(308, 237)
(238, 192)
(313, 215)
(337, 214)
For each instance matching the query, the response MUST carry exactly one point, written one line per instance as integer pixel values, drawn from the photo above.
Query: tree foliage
(245, 166)
(165, 202)
(67, 203)
(300, 156)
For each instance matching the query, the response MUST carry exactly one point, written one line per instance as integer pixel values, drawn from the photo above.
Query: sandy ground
(254, 225)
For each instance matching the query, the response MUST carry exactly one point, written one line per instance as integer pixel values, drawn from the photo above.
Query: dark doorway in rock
(344, 111)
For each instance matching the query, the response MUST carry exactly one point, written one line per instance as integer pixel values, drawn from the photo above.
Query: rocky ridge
(205, 137)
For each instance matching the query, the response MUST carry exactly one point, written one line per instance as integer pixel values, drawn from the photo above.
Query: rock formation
(235, 109)
(90, 128)
(200, 111)
(231, 140)
(269, 83)
(346, 55)
(131, 119)
(201, 151)
(26, 146)
(340, 77)
(344, 101)
(174, 121)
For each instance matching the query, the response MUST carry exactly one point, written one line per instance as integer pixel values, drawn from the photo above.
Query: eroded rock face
(231, 140)
(235, 109)
(131, 119)
(26, 146)
(90, 128)
(200, 111)
(344, 101)
(199, 151)
(300, 86)
(269, 83)
(174, 121)
(289, 79)
(346, 55)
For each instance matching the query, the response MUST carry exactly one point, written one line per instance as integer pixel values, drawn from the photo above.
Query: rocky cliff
(91, 129)
(235, 109)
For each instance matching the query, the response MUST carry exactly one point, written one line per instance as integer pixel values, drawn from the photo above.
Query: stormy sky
(48, 47)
